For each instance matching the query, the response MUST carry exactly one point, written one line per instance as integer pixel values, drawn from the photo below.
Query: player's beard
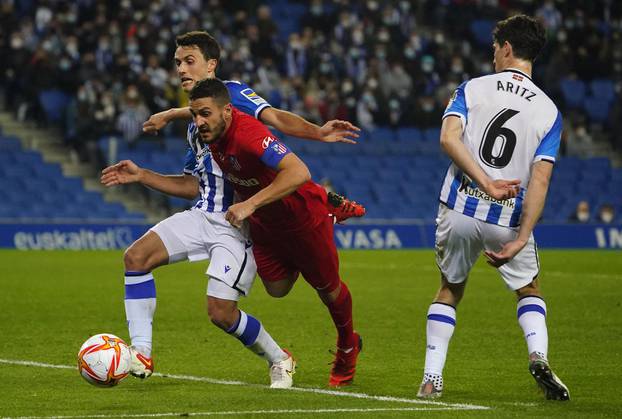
(215, 133)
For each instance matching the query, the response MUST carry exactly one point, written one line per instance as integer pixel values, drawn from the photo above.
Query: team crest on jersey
(278, 148)
(266, 142)
(235, 163)
(251, 95)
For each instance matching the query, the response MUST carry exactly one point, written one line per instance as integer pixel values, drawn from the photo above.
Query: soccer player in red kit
(291, 229)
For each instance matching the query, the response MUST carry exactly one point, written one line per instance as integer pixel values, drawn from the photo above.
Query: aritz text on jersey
(465, 186)
(242, 182)
(517, 89)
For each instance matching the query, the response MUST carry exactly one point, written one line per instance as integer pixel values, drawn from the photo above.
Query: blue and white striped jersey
(508, 124)
(216, 192)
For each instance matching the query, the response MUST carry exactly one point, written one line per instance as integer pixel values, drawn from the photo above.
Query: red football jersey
(248, 154)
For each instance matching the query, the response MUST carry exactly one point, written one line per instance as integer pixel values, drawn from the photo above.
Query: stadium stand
(33, 189)
(321, 59)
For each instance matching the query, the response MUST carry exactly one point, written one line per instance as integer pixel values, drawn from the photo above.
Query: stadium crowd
(376, 63)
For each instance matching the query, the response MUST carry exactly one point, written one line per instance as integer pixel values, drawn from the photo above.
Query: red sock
(341, 312)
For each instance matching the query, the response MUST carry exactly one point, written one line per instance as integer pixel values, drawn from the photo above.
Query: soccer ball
(104, 360)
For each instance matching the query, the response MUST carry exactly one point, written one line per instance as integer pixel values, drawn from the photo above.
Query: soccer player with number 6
(496, 127)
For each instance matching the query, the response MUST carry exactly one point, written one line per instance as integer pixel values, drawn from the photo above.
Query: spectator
(606, 214)
(582, 213)
(130, 121)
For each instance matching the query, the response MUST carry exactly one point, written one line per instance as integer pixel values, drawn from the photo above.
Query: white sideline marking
(478, 270)
(446, 406)
(242, 412)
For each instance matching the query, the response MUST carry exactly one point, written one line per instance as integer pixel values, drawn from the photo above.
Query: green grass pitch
(52, 301)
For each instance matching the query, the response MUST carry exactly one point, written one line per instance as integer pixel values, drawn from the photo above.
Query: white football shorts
(199, 235)
(460, 239)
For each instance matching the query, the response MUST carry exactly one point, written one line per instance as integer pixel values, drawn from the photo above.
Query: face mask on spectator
(606, 216)
(64, 64)
(358, 37)
(583, 215)
(16, 42)
(384, 36)
(161, 48)
(347, 87)
(427, 64)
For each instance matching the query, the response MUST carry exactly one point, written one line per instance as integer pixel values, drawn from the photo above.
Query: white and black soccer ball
(104, 360)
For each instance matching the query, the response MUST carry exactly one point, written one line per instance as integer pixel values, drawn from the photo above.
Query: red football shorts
(311, 252)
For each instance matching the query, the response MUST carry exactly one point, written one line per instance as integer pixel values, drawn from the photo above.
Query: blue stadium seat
(407, 134)
(176, 144)
(432, 135)
(573, 91)
(603, 89)
(176, 202)
(54, 102)
(597, 108)
(10, 144)
(482, 31)
(382, 134)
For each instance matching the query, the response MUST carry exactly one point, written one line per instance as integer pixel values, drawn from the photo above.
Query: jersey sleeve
(263, 145)
(457, 104)
(246, 99)
(549, 146)
(190, 162)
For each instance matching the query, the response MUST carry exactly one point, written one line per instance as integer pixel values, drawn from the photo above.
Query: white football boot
(141, 365)
(281, 372)
(431, 386)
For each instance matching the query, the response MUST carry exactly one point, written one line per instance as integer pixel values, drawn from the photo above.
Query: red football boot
(344, 365)
(342, 208)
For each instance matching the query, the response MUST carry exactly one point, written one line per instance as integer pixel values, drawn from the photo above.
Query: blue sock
(251, 333)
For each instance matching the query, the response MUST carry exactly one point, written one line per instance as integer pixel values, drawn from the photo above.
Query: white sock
(253, 335)
(440, 327)
(531, 313)
(140, 304)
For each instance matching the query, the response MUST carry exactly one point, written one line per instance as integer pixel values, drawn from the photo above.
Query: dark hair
(213, 88)
(204, 41)
(526, 35)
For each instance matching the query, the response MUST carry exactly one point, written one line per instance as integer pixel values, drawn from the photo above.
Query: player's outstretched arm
(157, 121)
(452, 145)
(126, 171)
(292, 173)
(532, 209)
(291, 124)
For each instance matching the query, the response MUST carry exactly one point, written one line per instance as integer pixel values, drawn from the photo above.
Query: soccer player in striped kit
(499, 126)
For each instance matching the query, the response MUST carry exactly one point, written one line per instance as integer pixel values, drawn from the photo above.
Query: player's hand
(156, 122)
(126, 171)
(237, 213)
(506, 254)
(503, 189)
(337, 131)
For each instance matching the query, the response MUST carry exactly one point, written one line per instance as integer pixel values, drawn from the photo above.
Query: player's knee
(135, 259)
(531, 289)
(450, 293)
(224, 315)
